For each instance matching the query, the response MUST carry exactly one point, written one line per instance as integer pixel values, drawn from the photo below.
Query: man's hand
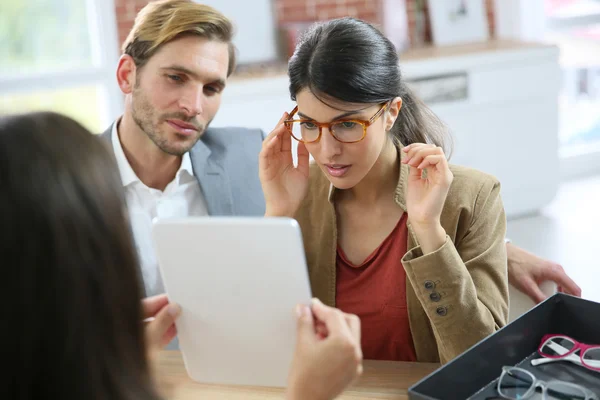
(160, 324)
(527, 271)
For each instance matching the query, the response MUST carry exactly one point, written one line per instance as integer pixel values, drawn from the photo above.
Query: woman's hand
(160, 316)
(428, 184)
(284, 185)
(325, 362)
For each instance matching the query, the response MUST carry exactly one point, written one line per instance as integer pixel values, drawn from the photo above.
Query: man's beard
(143, 115)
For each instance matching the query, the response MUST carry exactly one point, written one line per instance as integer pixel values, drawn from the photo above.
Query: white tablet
(237, 281)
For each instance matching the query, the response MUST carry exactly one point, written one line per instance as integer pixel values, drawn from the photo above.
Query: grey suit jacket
(225, 162)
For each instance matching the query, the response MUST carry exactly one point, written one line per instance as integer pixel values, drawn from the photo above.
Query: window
(574, 25)
(79, 102)
(60, 55)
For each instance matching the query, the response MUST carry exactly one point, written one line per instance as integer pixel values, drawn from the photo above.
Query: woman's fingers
(275, 133)
(437, 167)
(415, 174)
(354, 324)
(321, 329)
(303, 159)
(152, 305)
(417, 154)
(420, 156)
(267, 153)
(275, 142)
(286, 140)
(161, 330)
(278, 128)
(434, 160)
(411, 149)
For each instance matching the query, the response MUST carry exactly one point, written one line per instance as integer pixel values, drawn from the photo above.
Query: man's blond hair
(162, 21)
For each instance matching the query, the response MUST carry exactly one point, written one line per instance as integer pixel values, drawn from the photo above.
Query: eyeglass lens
(591, 357)
(561, 391)
(343, 131)
(515, 384)
(557, 346)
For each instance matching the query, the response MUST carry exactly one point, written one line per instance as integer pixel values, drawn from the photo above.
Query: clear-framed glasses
(518, 383)
(344, 130)
(563, 348)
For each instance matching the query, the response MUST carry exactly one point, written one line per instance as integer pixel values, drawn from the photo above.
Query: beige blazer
(457, 295)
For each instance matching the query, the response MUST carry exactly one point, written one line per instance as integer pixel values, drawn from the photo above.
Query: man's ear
(392, 112)
(126, 73)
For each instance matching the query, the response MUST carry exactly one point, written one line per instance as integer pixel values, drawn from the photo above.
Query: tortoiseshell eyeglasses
(345, 130)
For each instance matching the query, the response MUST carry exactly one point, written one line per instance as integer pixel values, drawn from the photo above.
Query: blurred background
(61, 54)
(517, 82)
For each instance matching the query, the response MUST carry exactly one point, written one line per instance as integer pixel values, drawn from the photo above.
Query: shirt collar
(186, 165)
(128, 176)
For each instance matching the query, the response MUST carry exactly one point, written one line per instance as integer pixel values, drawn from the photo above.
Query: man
(527, 271)
(175, 66)
(174, 69)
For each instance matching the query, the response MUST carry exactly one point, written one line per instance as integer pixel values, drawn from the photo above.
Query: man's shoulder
(107, 134)
(233, 134)
(233, 140)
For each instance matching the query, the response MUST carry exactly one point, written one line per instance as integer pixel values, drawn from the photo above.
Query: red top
(376, 292)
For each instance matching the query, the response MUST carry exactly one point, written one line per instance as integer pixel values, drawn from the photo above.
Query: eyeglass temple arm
(559, 349)
(571, 357)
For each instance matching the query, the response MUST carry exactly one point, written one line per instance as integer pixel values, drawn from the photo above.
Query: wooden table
(380, 380)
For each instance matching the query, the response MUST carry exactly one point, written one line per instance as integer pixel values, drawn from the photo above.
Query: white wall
(254, 21)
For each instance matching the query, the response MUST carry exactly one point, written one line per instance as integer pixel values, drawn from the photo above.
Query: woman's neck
(380, 182)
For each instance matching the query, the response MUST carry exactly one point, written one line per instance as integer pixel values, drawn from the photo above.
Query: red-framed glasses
(564, 348)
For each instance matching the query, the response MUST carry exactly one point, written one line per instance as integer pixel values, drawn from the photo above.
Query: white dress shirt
(181, 198)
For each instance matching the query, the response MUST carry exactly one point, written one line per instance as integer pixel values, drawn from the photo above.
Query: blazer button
(441, 311)
(435, 296)
(429, 285)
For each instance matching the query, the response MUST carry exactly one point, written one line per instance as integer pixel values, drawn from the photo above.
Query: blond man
(174, 68)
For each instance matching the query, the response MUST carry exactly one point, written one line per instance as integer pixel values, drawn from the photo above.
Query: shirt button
(435, 296)
(429, 285)
(441, 311)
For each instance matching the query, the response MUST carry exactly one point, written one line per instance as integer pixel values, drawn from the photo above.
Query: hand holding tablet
(324, 366)
(237, 281)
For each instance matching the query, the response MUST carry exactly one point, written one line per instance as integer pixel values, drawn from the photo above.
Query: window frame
(578, 160)
(104, 42)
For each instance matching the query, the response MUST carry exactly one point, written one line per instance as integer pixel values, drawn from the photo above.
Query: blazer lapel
(213, 179)
(210, 173)
(107, 134)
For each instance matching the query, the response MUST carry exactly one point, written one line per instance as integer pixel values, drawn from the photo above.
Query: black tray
(474, 373)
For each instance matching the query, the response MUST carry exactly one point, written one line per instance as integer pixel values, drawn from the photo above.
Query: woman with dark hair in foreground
(72, 291)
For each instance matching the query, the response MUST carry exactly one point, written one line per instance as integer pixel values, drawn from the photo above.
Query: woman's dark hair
(71, 297)
(351, 61)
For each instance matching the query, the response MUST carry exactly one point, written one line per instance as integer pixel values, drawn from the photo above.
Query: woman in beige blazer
(392, 232)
